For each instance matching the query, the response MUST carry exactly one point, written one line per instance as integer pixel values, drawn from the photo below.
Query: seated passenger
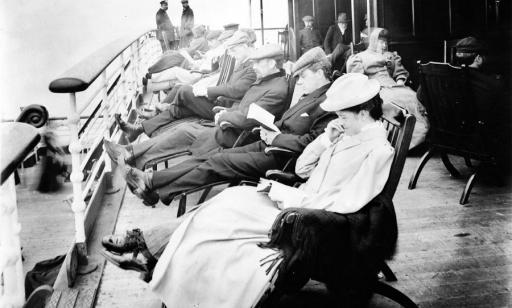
(299, 125)
(199, 99)
(210, 257)
(386, 67)
(489, 96)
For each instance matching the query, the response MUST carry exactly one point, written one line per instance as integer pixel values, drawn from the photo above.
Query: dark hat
(231, 26)
(271, 51)
(342, 18)
(308, 18)
(163, 1)
(310, 57)
(470, 45)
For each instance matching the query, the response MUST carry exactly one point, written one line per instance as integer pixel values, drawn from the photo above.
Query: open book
(265, 118)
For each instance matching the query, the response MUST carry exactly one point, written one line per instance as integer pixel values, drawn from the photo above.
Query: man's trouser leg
(163, 118)
(197, 105)
(174, 140)
(247, 162)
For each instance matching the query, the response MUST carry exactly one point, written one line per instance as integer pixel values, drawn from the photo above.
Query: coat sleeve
(366, 184)
(235, 88)
(327, 40)
(308, 160)
(355, 64)
(399, 71)
(272, 101)
(297, 143)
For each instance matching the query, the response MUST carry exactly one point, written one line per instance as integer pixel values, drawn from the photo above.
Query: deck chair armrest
(275, 150)
(287, 178)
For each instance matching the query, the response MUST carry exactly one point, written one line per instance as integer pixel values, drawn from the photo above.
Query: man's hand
(200, 90)
(334, 129)
(287, 67)
(217, 116)
(400, 82)
(267, 135)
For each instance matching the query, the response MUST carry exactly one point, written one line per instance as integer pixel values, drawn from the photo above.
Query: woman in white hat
(386, 67)
(212, 258)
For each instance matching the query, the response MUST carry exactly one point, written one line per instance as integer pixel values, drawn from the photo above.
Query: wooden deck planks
(448, 255)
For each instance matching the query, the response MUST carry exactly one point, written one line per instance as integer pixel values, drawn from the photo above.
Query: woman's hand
(334, 129)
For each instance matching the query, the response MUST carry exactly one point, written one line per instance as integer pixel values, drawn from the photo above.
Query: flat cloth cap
(231, 26)
(213, 34)
(470, 45)
(226, 34)
(272, 51)
(163, 1)
(350, 90)
(310, 57)
(308, 18)
(238, 38)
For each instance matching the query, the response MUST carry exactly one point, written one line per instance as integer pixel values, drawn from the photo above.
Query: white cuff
(324, 140)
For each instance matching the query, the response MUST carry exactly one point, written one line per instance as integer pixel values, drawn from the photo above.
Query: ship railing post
(78, 206)
(12, 291)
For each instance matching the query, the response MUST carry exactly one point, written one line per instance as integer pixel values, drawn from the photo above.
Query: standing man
(187, 23)
(337, 41)
(165, 30)
(309, 37)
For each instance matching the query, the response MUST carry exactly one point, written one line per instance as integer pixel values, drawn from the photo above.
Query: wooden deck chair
(399, 135)
(455, 128)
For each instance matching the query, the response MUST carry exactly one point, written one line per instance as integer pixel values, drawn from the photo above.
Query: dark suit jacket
(270, 93)
(334, 37)
(303, 122)
(163, 23)
(240, 81)
(309, 38)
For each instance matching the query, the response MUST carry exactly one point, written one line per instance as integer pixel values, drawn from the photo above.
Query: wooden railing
(111, 78)
(17, 141)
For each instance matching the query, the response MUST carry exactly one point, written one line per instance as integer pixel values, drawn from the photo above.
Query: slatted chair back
(399, 130)
(449, 51)
(454, 123)
(226, 67)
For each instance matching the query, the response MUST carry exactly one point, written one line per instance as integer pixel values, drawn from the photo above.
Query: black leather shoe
(126, 261)
(132, 131)
(134, 179)
(133, 241)
(117, 152)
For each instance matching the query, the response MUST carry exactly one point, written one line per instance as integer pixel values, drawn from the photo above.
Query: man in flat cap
(337, 41)
(298, 126)
(165, 30)
(187, 24)
(269, 91)
(309, 37)
(491, 99)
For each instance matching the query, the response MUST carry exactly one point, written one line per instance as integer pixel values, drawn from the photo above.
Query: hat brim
(372, 88)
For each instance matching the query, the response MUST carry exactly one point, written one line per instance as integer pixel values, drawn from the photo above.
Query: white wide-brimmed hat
(350, 90)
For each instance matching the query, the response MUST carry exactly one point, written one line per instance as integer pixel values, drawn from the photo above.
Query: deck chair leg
(393, 294)
(182, 207)
(449, 166)
(423, 161)
(467, 190)
(388, 273)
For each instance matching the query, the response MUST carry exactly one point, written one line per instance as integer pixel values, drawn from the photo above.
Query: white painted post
(106, 115)
(12, 291)
(78, 206)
